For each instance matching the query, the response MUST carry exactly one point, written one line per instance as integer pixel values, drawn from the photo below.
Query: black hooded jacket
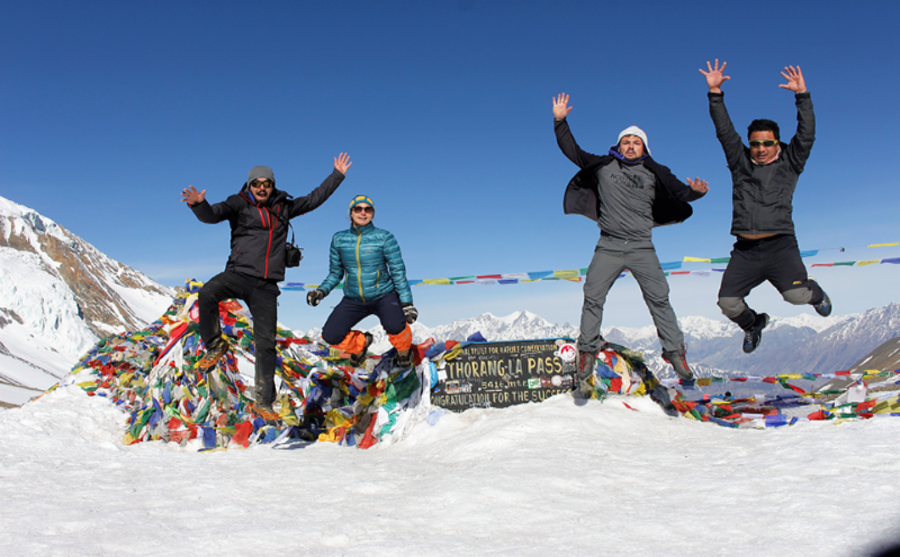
(259, 231)
(669, 205)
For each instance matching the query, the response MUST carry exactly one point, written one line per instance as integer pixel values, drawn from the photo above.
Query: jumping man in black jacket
(627, 193)
(259, 215)
(764, 178)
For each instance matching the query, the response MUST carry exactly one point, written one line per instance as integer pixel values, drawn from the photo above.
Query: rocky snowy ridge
(58, 295)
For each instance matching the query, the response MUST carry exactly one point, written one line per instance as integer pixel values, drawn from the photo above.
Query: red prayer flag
(242, 433)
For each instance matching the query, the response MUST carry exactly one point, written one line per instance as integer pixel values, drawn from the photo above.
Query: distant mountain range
(59, 295)
(803, 344)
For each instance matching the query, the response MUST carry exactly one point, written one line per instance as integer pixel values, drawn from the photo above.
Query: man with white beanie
(626, 193)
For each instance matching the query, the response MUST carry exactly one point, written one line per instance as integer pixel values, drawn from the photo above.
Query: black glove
(313, 297)
(410, 312)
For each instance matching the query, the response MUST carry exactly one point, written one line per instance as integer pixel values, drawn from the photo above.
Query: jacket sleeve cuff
(712, 95)
(803, 95)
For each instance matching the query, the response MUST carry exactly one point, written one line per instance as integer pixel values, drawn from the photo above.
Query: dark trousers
(261, 297)
(349, 312)
(775, 259)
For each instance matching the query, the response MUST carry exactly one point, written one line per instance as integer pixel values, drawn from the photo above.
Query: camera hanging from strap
(292, 254)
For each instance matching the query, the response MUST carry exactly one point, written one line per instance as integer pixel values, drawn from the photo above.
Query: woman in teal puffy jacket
(369, 262)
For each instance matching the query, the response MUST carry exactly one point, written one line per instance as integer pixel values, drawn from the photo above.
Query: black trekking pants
(261, 297)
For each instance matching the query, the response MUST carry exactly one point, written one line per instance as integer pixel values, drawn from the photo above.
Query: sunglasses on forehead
(764, 142)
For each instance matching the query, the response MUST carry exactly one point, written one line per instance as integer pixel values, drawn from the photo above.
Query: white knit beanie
(634, 130)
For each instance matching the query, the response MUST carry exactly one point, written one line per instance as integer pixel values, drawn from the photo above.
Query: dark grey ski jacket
(259, 231)
(763, 195)
(581, 198)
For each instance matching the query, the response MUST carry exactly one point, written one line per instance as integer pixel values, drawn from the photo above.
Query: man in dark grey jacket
(259, 216)
(627, 193)
(764, 178)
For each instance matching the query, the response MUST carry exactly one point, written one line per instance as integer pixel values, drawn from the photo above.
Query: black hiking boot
(587, 361)
(403, 359)
(357, 360)
(753, 335)
(823, 308)
(676, 359)
(213, 354)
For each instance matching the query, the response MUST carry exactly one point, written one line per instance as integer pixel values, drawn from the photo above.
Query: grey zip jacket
(763, 195)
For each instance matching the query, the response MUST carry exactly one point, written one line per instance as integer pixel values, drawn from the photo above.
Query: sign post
(500, 374)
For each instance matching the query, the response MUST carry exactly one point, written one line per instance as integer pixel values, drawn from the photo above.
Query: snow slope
(537, 479)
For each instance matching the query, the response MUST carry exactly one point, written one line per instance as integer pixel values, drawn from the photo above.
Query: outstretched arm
(714, 76)
(564, 139)
(801, 144)
(795, 81)
(319, 195)
(730, 140)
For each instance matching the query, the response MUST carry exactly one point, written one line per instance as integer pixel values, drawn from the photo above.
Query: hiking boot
(753, 335)
(403, 359)
(587, 361)
(676, 359)
(356, 360)
(265, 411)
(214, 353)
(823, 308)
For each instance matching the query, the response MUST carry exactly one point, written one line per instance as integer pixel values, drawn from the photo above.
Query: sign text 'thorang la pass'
(499, 374)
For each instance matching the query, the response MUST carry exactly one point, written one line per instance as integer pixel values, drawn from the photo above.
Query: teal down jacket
(369, 260)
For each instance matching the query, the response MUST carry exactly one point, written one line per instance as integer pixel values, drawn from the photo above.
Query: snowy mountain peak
(58, 294)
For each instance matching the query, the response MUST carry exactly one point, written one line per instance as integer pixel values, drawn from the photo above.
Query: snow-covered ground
(547, 479)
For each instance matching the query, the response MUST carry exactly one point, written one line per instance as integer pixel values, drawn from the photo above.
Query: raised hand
(795, 81)
(342, 163)
(714, 77)
(698, 185)
(192, 196)
(561, 106)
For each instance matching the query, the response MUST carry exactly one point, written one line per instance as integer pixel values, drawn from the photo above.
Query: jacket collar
(362, 229)
(614, 151)
(277, 196)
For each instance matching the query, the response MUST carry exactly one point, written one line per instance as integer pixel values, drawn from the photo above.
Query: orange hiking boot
(265, 411)
(213, 354)
(357, 359)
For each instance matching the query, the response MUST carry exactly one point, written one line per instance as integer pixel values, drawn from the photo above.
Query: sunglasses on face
(361, 209)
(764, 143)
(260, 184)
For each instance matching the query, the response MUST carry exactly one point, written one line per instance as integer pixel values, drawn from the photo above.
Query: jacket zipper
(359, 266)
(268, 226)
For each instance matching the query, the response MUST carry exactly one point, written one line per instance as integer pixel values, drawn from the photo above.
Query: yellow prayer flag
(883, 245)
(437, 281)
(697, 259)
(869, 262)
(568, 273)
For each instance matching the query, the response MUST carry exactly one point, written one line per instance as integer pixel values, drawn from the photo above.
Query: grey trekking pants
(611, 257)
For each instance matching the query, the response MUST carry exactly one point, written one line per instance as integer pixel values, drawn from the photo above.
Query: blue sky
(109, 109)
